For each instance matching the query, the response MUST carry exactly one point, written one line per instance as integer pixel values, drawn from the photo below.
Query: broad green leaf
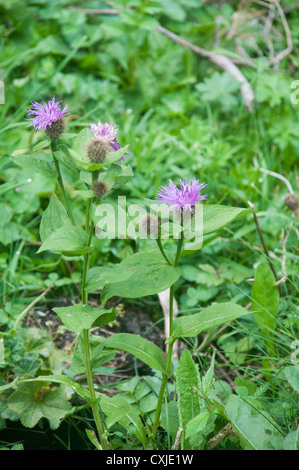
(291, 441)
(99, 276)
(255, 427)
(150, 275)
(292, 375)
(215, 315)
(141, 348)
(54, 217)
(216, 216)
(119, 410)
(265, 301)
(188, 388)
(67, 239)
(196, 425)
(79, 317)
(63, 380)
(34, 401)
(35, 163)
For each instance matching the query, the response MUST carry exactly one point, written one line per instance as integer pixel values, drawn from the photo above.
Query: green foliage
(146, 351)
(188, 387)
(182, 117)
(33, 401)
(143, 266)
(215, 315)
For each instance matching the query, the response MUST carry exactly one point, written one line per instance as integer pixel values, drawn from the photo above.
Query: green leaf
(98, 357)
(291, 441)
(62, 154)
(34, 401)
(79, 317)
(255, 427)
(150, 274)
(220, 88)
(35, 163)
(196, 425)
(54, 217)
(42, 144)
(216, 216)
(98, 277)
(292, 375)
(71, 240)
(215, 315)
(265, 301)
(141, 348)
(188, 388)
(67, 381)
(208, 377)
(119, 410)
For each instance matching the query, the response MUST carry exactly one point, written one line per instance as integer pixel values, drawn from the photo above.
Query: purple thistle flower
(107, 133)
(183, 198)
(46, 114)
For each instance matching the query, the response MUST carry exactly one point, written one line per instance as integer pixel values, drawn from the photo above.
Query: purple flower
(46, 114)
(183, 198)
(107, 133)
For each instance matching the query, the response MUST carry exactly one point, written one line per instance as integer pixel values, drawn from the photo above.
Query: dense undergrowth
(183, 117)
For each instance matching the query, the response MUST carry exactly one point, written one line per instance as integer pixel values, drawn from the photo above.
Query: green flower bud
(291, 201)
(55, 130)
(98, 149)
(100, 188)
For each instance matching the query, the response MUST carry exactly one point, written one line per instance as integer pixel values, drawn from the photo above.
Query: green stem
(159, 243)
(170, 347)
(61, 185)
(161, 393)
(94, 406)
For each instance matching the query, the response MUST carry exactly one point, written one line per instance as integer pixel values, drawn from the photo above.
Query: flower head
(48, 116)
(106, 135)
(183, 198)
(100, 188)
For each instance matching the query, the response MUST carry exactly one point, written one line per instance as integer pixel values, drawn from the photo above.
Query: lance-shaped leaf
(215, 315)
(188, 387)
(140, 347)
(79, 317)
(150, 275)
